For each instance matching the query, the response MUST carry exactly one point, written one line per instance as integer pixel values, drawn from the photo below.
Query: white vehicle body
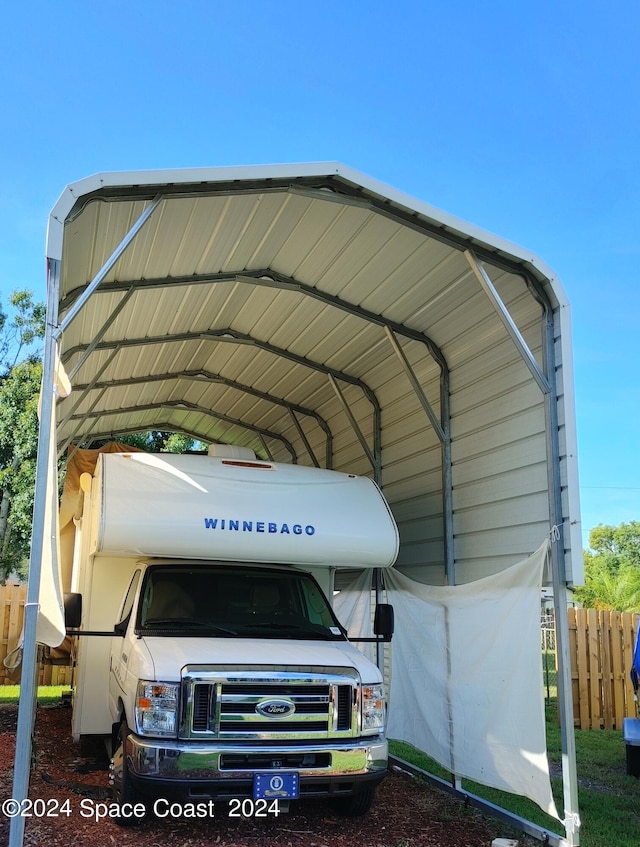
(223, 690)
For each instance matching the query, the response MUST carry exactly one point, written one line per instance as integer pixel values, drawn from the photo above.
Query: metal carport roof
(317, 316)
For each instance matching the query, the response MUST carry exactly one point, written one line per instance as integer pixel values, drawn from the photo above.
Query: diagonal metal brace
(503, 313)
(354, 424)
(422, 397)
(108, 265)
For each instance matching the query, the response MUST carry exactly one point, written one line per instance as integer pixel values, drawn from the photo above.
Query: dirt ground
(70, 790)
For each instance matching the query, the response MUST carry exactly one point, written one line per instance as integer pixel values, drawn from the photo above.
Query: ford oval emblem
(275, 708)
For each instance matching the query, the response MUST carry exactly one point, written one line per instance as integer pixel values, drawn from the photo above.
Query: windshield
(234, 602)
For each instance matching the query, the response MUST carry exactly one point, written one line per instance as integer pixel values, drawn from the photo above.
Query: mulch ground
(74, 779)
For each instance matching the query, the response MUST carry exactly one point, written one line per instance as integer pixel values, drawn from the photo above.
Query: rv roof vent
(230, 451)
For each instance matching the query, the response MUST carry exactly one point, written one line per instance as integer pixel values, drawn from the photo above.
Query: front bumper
(196, 770)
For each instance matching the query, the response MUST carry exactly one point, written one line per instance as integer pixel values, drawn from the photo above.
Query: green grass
(46, 693)
(609, 800)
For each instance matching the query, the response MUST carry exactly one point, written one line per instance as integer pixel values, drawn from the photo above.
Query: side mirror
(72, 610)
(383, 622)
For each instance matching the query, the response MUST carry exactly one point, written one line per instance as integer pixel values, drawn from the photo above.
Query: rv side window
(129, 597)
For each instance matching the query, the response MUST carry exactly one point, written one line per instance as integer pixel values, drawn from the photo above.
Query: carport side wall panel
(509, 470)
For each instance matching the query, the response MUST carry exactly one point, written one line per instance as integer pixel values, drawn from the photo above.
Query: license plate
(276, 786)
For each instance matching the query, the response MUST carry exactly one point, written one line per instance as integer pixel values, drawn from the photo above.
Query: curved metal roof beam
(193, 407)
(274, 279)
(201, 375)
(229, 335)
(271, 279)
(335, 185)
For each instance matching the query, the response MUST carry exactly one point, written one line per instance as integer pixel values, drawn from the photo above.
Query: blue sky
(523, 119)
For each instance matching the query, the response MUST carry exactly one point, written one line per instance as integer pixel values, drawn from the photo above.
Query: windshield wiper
(189, 623)
(300, 631)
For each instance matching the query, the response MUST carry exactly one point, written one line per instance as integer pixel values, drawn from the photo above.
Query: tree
(156, 441)
(19, 393)
(19, 334)
(617, 544)
(612, 568)
(19, 389)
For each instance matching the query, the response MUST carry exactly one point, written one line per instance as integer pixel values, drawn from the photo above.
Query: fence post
(617, 672)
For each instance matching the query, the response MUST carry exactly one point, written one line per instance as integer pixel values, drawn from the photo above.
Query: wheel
(356, 805)
(123, 790)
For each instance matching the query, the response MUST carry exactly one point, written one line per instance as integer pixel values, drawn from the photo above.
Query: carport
(317, 316)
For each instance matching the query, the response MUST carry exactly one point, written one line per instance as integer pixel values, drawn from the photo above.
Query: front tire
(123, 790)
(356, 805)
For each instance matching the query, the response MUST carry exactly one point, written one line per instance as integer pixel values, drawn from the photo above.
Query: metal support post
(559, 581)
(28, 686)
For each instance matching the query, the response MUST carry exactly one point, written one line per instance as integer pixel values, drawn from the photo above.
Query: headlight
(373, 711)
(157, 708)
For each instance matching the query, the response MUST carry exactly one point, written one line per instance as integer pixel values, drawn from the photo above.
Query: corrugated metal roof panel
(285, 282)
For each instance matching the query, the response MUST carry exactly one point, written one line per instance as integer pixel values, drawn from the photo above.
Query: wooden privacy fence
(601, 645)
(12, 599)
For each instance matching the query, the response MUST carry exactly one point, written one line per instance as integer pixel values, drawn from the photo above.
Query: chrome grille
(268, 704)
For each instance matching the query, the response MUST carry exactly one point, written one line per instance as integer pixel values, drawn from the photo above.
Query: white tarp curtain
(467, 674)
(50, 628)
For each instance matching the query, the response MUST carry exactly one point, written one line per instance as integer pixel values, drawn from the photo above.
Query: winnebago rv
(212, 656)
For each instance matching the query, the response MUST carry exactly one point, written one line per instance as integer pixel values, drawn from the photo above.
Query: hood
(170, 655)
